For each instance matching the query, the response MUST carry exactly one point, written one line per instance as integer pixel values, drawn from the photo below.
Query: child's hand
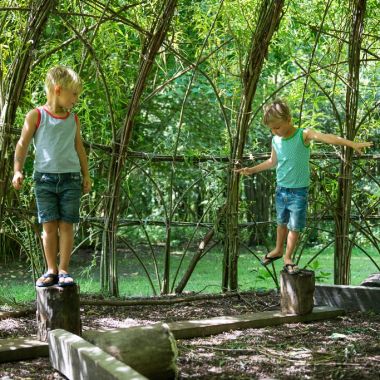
(17, 180)
(359, 147)
(86, 185)
(243, 171)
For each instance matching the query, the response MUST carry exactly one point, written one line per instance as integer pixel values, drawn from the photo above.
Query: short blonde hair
(277, 110)
(62, 76)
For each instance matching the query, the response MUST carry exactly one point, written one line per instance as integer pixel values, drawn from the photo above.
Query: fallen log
(150, 350)
(372, 280)
(168, 300)
(16, 313)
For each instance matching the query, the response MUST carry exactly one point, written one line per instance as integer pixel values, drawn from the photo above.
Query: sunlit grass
(17, 285)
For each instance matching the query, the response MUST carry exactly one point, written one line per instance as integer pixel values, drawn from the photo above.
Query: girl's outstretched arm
(327, 138)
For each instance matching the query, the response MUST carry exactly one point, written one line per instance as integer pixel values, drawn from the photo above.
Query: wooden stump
(297, 292)
(150, 350)
(57, 308)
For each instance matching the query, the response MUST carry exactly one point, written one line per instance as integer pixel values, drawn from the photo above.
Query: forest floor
(347, 347)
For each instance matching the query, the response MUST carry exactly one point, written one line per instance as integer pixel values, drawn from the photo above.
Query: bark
(150, 350)
(58, 308)
(343, 245)
(13, 86)
(267, 23)
(109, 279)
(194, 261)
(297, 292)
(372, 280)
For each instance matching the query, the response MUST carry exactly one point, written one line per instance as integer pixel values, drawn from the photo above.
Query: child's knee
(65, 227)
(50, 228)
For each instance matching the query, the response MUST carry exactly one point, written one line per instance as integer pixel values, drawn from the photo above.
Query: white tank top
(54, 143)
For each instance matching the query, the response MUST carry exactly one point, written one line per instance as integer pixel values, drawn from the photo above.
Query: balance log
(149, 350)
(297, 292)
(57, 308)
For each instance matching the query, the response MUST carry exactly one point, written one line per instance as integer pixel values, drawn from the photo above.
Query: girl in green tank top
(290, 156)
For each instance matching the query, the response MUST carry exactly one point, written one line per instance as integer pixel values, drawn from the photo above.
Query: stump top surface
(57, 288)
(300, 273)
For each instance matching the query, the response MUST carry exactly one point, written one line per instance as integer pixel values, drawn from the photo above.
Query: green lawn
(17, 286)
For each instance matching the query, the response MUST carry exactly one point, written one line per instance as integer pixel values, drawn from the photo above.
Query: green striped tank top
(293, 157)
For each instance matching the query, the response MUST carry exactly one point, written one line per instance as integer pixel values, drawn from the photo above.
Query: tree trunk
(109, 279)
(13, 86)
(267, 22)
(150, 350)
(343, 246)
(194, 261)
(58, 308)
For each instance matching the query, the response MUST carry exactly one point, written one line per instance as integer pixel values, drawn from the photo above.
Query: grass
(16, 284)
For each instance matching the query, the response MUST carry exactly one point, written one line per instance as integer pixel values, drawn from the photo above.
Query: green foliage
(321, 275)
(306, 64)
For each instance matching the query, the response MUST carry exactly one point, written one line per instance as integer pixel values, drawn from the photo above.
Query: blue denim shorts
(58, 196)
(291, 207)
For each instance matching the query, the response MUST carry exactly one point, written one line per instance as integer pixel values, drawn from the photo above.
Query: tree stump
(57, 308)
(297, 292)
(150, 350)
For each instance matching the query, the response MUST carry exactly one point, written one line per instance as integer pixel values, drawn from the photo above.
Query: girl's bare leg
(282, 231)
(66, 241)
(290, 246)
(50, 243)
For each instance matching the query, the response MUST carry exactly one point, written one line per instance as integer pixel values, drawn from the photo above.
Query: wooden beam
(78, 359)
(27, 348)
(348, 297)
(217, 325)
(16, 349)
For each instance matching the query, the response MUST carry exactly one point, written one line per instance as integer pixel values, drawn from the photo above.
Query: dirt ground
(346, 347)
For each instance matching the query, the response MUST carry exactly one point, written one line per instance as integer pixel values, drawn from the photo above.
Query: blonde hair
(277, 110)
(62, 76)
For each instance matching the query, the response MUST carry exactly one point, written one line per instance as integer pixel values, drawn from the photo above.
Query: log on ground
(150, 350)
(372, 280)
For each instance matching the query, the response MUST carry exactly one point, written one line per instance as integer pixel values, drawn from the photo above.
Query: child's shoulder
(33, 114)
(32, 120)
(34, 110)
(307, 134)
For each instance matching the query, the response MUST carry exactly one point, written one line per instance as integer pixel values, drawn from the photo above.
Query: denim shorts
(58, 196)
(291, 207)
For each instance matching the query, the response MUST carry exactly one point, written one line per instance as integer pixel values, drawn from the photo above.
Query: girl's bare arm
(82, 160)
(312, 135)
(268, 164)
(28, 130)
